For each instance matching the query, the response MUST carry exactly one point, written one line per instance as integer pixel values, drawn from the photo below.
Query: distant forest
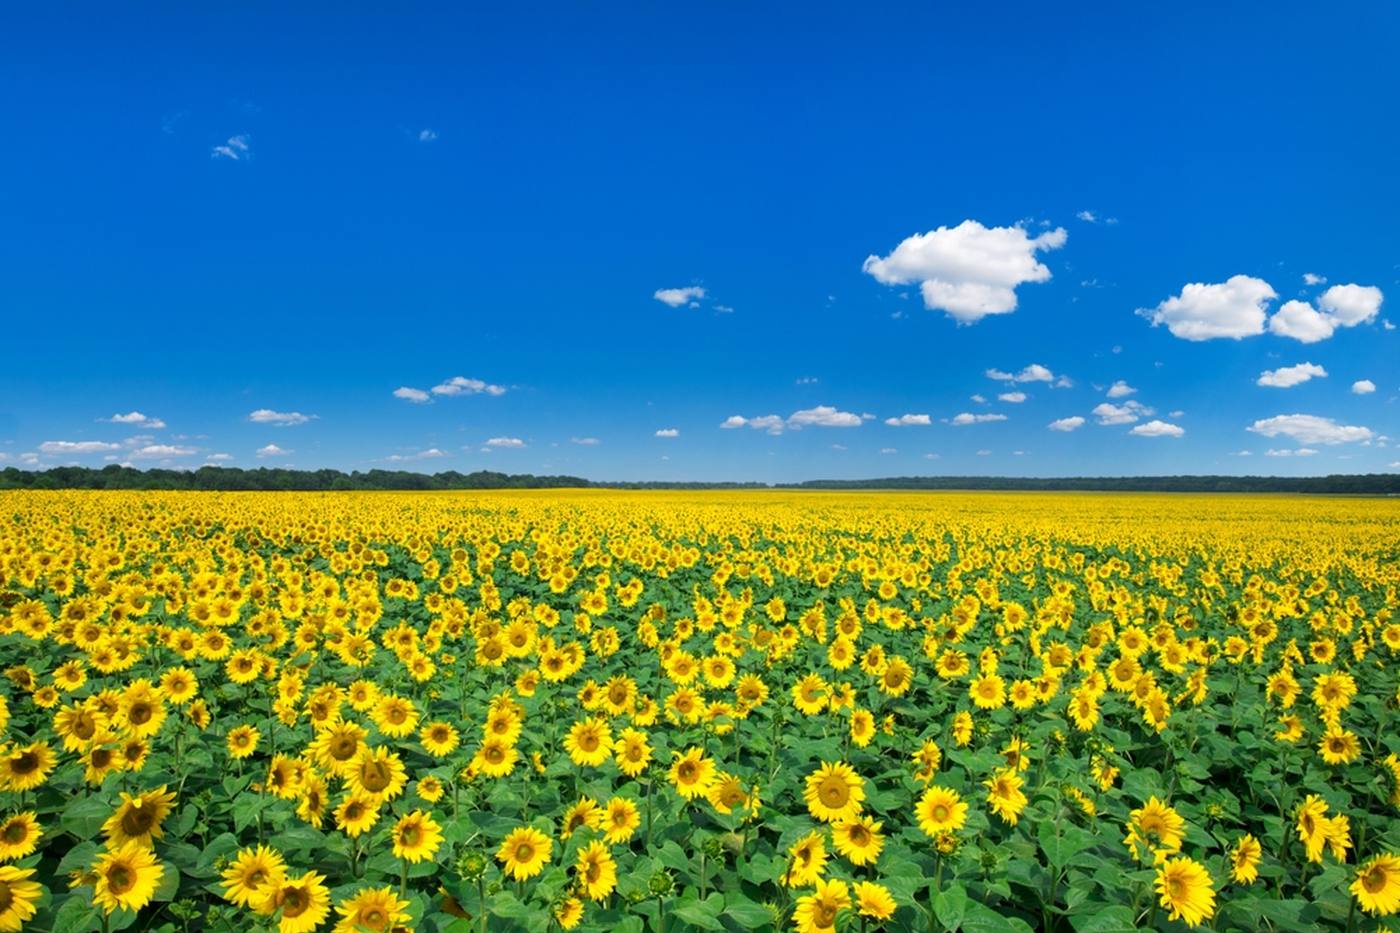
(273, 479)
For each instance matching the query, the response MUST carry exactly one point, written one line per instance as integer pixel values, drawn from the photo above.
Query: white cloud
(461, 385)
(1158, 429)
(668, 432)
(969, 418)
(278, 419)
(1302, 322)
(823, 416)
(157, 451)
(1127, 413)
(723, 309)
(1233, 308)
(1067, 424)
(1285, 452)
(675, 297)
(1032, 373)
(1310, 278)
(432, 453)
(979, 399)
(218, 458)
(1120, 389)
(417, 396)
(773, 424)
(907, 420)
(585, 441)
(1350, 305)
(136, 418)
(272, 450)
(1015, 398)
(1288, 376)
(969, 271)
(984, 453)
(1243, 453)
(889, 450)
(236, 149)
(1088, 217)
(56, 448)
(427, 135)
(511, 442)
(1311, 429)
(1363, 387)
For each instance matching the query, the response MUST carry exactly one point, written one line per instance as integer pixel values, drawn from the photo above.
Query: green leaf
(704, 914)
(76, 915)
(746, 913)
(169, 883)
(950, 906)
(1093, 917)
(1062, 841)
(84, 816)
(982, 919)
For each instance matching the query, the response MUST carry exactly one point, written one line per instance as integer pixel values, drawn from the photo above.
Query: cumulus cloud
(1286, 452)
(1288, 376)
(278, 419)
(1120, 389)
(585, 441)
(136, 418)
(773, 424)
(675, 297)
(272, 450)
(1067, 424)
(1363, 387)
(967, 417)
(1035, 372)
(968, 271)
(1089, 217)
(823, 416)
(668, 432)
(461, 385)
(59, 448)
(408, 393)
(1015, 398)
(1158, 429)
(1234, 308)
(237, 149)
(1130, 411)
(907, 420)
(1339, 306)
(1310, 278)
(1311, 429)
(1302, 322)
(158, 451)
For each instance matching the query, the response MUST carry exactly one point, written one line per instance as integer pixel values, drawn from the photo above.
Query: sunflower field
(697, 711)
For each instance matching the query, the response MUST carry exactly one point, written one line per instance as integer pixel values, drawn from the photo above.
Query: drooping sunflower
(252, 874)
(126, 877)
(1004, 795)
(1186, 890)
(1244, 859)
(139, 818)
(859, 839)
(1377, 885)
(524, 853)
(806, 860)
(692, 773)
(834, 792)
(940, 810)
(595, 871)
(1312, 825)
(17, 897)
(817, 912)
(301, 904)
(416, 836)
(1154, 828)
(19, 836)
(569, 913)
(375, 910)
(874, 900)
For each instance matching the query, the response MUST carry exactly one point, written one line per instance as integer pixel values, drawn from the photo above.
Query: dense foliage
(617, 711)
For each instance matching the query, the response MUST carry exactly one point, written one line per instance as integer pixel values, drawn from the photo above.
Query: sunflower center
(686, 772)
(940, 812)
(375, 776)
(120, 879)
(834, 792)
(137, 821)
(140, 714)
(295, 901)
(824, 914)
(24, 763)
(6, 898)
(524, 852)
(1374, 880)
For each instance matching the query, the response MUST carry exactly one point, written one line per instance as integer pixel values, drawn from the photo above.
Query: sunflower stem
(403, 878)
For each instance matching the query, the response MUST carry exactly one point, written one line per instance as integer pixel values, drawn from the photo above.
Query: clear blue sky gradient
(577, 158)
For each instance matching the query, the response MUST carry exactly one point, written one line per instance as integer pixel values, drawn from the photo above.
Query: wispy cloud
(668, 432)
(137, 419)
(279, 419)
(60, 448)
(408, 393)
(238, 148)
(461, 385)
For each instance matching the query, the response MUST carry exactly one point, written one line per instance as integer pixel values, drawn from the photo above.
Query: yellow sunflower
(1186, 890)
(19, 836)
(940, 810)
(139, 818)
(595, 871)
(373, 910)
(1377, 885)
(17, 896)
(126, 877)
(416, 837)
(834, 792)
(524, 853)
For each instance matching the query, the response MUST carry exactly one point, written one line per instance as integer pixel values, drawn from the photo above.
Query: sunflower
(25, 767)
(585, 813)
(138, 818)
(874, 900)
(988, 692)
(242, 741)
(1004, 795)
(77, 724)
(439, 738)
(692, 773)
(1339, 747)
(569, 913)
(858, 839)
(1154, 827)
(834, 792)
(126, 877)
(862, 727)
(1244, 860)
(1312, 825)
(817, 912)
(809, 695)
(940, 810)
(495, 758)
(806, 861)
(357, 814)
(19, 836)
(252, 874)
(524, 853)
(1377, 885)
(589, 742)
(1186, 890)
(632, 752)
(416, 837)
(142, 709)
(17, 896)
(337, 746)
(302, 902)
(620, 820)
(595, 871)
(378, 773)
(429, 788)
(373, 910)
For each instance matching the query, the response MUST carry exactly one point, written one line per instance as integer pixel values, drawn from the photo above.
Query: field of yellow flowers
(697, 711)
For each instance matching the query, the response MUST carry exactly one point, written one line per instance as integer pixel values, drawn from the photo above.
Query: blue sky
(250, 228)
